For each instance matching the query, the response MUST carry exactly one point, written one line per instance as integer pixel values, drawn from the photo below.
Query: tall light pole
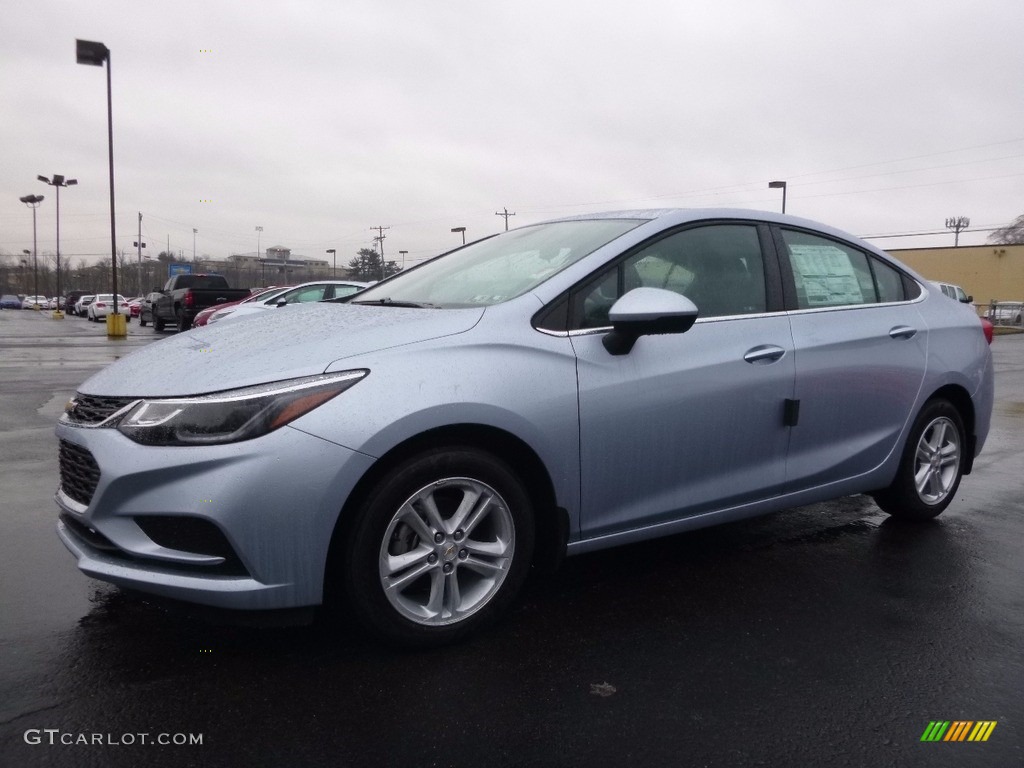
(403, 254)
(463, 231)
(194, 232)
(779, 185)
(33, 201)
(263, 276)
(95, 54)
(334, 252)
(57, 182)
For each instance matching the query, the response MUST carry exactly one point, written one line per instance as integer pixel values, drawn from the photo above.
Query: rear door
(861, 348)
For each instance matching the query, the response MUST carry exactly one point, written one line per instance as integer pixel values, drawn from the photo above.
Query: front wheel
(931, 467)
(439, 547)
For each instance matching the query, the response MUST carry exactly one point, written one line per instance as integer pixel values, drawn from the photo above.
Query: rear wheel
(931, 467)
(182, 322)
(158, 324)
(439, 548)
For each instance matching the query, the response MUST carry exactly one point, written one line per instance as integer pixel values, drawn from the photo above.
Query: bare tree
(1011, 234)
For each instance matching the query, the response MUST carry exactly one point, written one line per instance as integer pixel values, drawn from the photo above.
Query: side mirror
(281, 303)
(968, 300)
(647, 312)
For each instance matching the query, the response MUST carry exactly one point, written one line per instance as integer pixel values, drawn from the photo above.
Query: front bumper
(261, 512)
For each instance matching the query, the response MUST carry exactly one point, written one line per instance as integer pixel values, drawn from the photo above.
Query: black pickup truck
(185, 296)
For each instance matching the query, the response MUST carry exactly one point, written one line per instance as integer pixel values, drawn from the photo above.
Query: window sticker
(827, 275)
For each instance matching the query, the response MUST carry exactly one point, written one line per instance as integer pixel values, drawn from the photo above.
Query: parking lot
(825, 635)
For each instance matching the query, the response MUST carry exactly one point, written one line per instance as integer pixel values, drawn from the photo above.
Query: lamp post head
(776, 185)
(43, 179)
(331, 250)
(31, 199)
(92, 53)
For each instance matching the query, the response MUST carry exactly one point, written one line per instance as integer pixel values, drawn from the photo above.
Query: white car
(83, 304)
(104, 305)
(30, 302)
(300, 294)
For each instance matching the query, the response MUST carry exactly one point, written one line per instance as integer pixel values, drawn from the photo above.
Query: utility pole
(140, 245)
(380, 239)
(957, 224)
(506, 214)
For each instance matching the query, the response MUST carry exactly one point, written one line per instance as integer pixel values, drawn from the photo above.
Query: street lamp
(263, 276)
(57, 182)
(95, 54)
(463, 231)
(333, 251)
(194, 232)
(779, 185)
(33, 201)
(403, 254)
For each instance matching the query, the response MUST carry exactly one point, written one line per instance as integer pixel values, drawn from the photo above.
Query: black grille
(191, 534)
(79, 472)
(92, 409)
(232, 567)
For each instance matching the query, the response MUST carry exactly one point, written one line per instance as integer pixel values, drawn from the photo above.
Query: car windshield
(499, 268)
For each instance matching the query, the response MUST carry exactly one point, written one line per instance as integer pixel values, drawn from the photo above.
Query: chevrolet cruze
(405, 455)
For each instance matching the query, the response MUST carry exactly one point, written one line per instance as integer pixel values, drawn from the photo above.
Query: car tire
(931, 467)
(182, 322)
(410, 567)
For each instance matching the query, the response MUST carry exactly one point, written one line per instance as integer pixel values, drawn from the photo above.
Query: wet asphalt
(827, 635)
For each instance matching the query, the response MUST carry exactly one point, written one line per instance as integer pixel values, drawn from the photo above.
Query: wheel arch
(551, 521)
(960, 399)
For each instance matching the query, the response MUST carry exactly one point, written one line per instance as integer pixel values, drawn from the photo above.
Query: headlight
(228, 417)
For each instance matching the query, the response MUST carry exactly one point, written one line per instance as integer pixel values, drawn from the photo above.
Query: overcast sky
(319, 119)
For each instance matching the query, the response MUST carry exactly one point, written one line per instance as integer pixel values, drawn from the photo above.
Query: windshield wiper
(388, 302)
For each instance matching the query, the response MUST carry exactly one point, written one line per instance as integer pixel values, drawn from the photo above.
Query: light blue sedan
(552, 390)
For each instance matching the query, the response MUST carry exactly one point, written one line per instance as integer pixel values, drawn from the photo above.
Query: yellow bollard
(117, 326)
(57, 315)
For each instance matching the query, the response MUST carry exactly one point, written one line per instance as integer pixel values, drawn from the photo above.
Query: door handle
(764, 354)
(903, 332)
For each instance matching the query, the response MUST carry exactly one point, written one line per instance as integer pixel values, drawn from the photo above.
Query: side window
(342, 290)
(827, 273)
(888, 281)
(718, 267)
(301, 295)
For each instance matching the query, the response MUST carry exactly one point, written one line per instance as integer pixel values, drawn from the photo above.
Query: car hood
(300, 340)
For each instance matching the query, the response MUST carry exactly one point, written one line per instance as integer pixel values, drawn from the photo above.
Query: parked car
(135, 306)
(10, 301)
(82, 305)
(1006, 313)
(103, 305)
(71, 299)
(204, 317)
(555, 389)
(146, 307)
(319, 290)
(34, 302)
(55, 303)
(954, 292)
(185, 296)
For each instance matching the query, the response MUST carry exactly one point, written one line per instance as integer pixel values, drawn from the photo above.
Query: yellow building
(987, 272)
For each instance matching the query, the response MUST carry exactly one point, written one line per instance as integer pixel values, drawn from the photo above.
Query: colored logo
(958, 730)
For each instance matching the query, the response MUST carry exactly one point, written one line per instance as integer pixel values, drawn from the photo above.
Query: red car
(135, 306)
(204, 316)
